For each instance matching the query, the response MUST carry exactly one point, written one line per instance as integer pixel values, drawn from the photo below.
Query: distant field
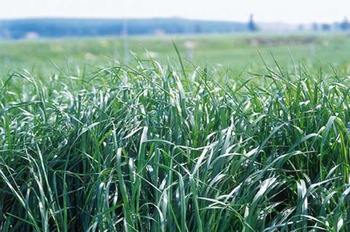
(238, 51)
(219, 139)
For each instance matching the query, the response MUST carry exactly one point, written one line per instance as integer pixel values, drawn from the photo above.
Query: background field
(249, 132)
(237, 51)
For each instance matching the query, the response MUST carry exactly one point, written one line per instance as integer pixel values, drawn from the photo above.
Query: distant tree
(251, 24)
(315, 27)
(326, 27)
(345, 25)
(198, 28)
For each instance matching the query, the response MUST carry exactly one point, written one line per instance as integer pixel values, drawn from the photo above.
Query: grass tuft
(146, 147)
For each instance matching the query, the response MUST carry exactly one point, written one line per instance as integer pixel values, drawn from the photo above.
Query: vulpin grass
(143, 147)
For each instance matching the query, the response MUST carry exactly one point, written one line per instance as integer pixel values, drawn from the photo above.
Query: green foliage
(146, 147)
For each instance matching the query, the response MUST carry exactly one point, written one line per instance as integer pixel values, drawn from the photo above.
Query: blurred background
(37, 33)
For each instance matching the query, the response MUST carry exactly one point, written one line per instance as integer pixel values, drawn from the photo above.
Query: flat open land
(236, 50)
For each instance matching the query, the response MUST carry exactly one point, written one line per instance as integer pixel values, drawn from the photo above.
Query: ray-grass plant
(146, 147)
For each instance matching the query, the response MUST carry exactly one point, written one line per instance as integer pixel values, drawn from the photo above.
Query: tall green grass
(146, 147)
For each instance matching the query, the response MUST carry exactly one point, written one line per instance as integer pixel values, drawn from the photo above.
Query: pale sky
(292, 11)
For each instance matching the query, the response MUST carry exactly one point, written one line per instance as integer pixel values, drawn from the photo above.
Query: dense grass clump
(150, 148)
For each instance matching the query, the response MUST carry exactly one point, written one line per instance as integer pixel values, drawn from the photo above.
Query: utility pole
(125, 38)
(125, 30)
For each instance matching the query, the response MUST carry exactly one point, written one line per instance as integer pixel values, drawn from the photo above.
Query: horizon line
(162, 17)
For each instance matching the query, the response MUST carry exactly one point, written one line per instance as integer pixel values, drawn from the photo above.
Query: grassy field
(228, 141)
(237, 51)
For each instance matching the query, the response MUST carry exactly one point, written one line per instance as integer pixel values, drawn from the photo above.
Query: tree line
(58, 27)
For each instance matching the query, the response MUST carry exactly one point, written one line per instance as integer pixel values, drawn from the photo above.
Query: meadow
(236, 51)
(246, 132)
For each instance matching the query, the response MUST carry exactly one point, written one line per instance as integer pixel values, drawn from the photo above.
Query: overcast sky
(293, 11)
